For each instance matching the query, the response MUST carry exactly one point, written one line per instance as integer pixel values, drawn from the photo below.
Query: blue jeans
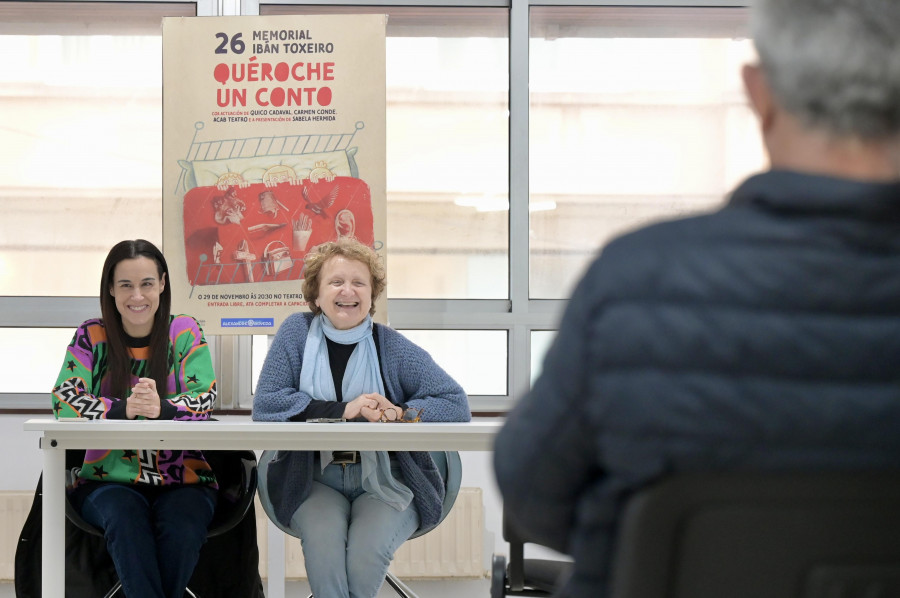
(154, 542)
(348, 536)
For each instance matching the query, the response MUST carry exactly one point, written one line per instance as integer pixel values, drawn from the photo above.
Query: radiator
(14, 507)
(452, 550)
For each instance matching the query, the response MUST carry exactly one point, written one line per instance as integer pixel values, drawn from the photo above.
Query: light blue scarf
(361, 376)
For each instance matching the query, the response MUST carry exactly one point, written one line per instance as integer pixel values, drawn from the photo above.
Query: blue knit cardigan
(410, 375)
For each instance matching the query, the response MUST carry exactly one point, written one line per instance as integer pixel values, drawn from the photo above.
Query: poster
(273, 142)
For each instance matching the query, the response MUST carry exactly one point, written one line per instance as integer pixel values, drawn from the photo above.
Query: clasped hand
(144, 400)
(372, 406)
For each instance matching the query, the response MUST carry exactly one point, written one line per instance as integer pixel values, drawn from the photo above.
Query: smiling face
(136, 286)
(345, 292)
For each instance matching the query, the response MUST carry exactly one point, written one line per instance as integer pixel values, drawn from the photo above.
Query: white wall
(21, 454)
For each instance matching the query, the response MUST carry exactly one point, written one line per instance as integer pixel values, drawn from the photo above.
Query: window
(540, 344)
(81, 112)
(520, 138)
(30, 358)
(475, 358)
(637, 114)
(447, 136)
(81, 116)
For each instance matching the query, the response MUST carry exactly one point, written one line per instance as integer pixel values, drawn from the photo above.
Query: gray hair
(834, 64)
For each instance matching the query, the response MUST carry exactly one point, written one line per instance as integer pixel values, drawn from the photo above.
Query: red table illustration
(261, 232)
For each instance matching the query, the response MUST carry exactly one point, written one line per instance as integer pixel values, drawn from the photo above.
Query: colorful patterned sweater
(82, 390)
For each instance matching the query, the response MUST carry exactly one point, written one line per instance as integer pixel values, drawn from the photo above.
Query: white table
(230, 432)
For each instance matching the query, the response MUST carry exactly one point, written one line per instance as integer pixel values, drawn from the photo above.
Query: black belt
(344, 457)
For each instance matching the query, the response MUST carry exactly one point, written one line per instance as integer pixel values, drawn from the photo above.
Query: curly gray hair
(351, 249)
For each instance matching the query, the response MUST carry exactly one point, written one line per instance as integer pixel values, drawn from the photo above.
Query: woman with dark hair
(140, 362)
(352, 510)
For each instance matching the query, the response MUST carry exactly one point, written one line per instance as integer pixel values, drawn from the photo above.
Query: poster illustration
(273, 142)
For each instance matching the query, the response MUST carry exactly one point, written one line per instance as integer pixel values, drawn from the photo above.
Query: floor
(467, 588)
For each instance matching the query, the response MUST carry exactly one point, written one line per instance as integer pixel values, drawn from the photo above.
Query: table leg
(53, 522)
(276, 565)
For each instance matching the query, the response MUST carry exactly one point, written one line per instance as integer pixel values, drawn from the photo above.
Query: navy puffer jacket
(764, 335)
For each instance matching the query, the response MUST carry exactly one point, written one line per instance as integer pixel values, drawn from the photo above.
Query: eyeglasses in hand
(409, 416)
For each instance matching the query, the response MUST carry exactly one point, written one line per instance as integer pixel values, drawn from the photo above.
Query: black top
(136, 342)
(338, 357)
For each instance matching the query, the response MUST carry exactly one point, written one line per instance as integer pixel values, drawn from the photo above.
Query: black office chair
(777, 535)
(236, 473)
(753, 535)
(449, 465)
(521, 576)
